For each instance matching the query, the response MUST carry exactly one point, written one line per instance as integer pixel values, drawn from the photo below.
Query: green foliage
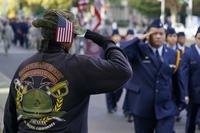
(151, 8)
(60, 4)
(148, 8)
(196, 7)
(123, 23)
(35, 7)
(115, 2)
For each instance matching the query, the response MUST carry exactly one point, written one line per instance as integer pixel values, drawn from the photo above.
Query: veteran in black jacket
(50, 91)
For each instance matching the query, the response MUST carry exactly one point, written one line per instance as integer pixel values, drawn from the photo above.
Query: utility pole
(20, 12)
(5, 5)
(190, 11)
(162, 17)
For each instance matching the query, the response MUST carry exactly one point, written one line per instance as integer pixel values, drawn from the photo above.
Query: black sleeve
(98, 39)
(10, 114)
(102, 76)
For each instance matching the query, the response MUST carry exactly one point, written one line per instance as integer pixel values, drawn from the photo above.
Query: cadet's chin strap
(178, 58)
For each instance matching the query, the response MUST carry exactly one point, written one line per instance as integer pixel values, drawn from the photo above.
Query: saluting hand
(146, 35)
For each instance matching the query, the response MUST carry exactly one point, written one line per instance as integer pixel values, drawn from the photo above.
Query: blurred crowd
(19, 33)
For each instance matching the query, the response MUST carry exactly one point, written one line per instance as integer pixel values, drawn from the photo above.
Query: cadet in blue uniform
(126, 105)
(154, 100)
(183, 49)
(181, 40)
(192, 59)
(113, 97)
(50, 91)
(116, 37)
(171, 38)
(129, 35)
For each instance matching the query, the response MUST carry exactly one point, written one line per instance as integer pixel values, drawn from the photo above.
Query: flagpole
(5, 5)
(162, 17)
(190, 11)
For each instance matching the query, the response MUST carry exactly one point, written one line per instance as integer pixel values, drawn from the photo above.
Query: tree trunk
(173, 10)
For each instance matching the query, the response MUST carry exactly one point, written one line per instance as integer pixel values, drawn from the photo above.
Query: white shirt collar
(198, 49)
(118, 44)
(181, 47)
(160, 49)
(174, 47)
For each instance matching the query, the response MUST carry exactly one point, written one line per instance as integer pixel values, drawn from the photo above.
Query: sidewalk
(4, 80)
(4, 85)
(16, 50)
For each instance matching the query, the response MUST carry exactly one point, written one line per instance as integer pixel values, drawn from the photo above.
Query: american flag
(64, 30)
(82, 2)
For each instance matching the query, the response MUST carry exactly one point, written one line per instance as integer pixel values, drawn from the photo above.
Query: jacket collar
(55, 48)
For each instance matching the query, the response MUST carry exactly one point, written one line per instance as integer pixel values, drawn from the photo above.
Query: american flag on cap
(64, 30)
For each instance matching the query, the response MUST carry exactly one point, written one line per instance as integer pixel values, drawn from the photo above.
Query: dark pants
(146, 125)
(16, 38)
(192, 117)
(26, 41)
(126, 104)
(112, 98)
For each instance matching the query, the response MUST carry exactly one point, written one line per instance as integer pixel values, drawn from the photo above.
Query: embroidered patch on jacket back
(40, 93)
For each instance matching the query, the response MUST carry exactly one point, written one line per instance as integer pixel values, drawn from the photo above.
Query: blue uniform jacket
(151, 87)
(183, 52)
(192, 60)
(184, 65)
(186, 49)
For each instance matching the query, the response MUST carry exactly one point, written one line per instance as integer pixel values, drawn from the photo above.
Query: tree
(8, 6)
(174, 6)
(59, 4)
(148, 8)
(196, 8)
(35, 7)
(152, 8)
(183, 12)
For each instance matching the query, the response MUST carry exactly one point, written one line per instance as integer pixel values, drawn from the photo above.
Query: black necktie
(158, 58)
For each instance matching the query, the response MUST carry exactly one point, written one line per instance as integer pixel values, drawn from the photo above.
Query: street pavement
(8, 66)
(4, 83)
(99, 121)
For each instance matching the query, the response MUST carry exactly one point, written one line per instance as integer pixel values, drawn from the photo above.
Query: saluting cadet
(50, 91)
(192, 59)
(154, 100)
(126, 105)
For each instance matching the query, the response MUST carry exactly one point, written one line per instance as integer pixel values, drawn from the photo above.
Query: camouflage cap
(50, 18)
